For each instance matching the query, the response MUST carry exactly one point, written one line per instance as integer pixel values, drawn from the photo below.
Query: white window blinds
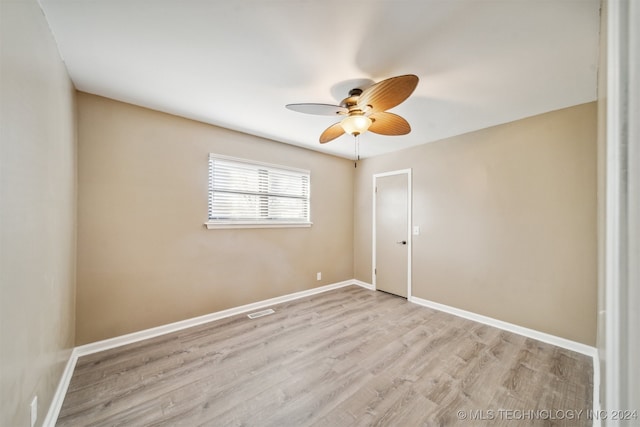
(246, 192)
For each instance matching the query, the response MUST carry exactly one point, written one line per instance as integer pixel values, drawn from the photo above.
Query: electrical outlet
(318, 275)
(34, 410)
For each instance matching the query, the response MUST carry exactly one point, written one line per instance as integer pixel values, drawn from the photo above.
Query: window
(244, 193)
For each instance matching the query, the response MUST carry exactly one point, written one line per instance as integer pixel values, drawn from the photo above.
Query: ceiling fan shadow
(399, 42)
(340, 90)
(436, 118)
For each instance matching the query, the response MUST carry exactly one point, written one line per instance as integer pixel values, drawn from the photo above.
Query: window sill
(256, 224)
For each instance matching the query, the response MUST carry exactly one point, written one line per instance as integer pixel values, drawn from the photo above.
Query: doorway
(392, 232)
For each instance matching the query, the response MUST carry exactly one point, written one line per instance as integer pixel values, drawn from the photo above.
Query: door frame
(407, 172)
(620, 231)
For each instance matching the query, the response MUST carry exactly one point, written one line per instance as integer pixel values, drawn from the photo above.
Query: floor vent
(260, 313)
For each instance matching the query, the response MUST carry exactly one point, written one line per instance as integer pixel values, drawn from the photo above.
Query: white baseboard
(195, 321)
(596, 389)
(521, 330)
(61, 391)
(363, 284)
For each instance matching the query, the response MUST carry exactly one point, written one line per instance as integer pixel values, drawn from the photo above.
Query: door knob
(402, 242)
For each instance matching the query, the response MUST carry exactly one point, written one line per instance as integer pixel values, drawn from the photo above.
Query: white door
(391, 232)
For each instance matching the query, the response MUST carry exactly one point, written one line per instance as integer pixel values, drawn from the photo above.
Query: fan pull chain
(356, 148)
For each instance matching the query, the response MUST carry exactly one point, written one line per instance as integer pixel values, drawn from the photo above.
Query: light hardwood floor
(349, 357)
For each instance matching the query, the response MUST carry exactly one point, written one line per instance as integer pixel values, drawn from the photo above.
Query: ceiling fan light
(356, 124)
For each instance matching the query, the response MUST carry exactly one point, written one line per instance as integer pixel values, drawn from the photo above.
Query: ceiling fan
(366, 109)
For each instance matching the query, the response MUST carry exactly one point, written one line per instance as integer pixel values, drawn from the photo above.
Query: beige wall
(37, 211)
(508, 221)
(145, 258)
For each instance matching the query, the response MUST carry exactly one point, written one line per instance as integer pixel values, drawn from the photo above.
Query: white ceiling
(236, 63)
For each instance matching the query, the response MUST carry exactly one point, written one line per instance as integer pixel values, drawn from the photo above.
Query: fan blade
(386, 123)
(388, 93)
(318, 109)
(331, 133)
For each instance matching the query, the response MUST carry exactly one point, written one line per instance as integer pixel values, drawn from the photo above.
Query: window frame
(256, 223)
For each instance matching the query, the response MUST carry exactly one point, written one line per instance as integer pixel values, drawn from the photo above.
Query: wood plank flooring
(349, 357)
